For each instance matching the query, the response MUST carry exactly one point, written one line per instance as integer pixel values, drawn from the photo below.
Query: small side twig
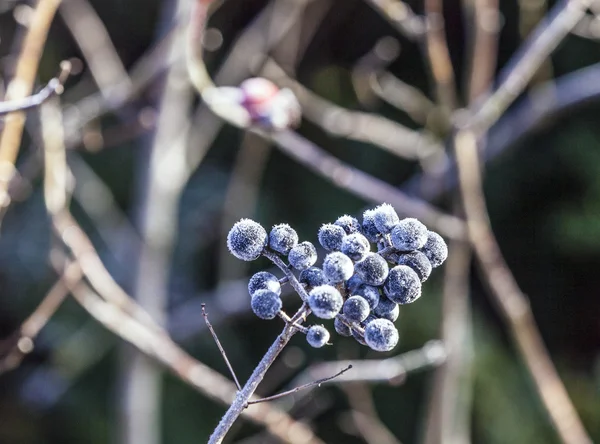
(221, 349)
(302, 387)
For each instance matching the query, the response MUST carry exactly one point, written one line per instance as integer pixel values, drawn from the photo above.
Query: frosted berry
(303, 256)
(331, 237)
(317, 336)
(341, 328)
(246, 240)
(264, 280)
(353, 283)
(356, 309)
(435, 249)
(372, 270)
(368, 226)
(348, 223)
(391, 315)
(381, 335)
(385, 305)
(265, 304)
(403, 285)
(337, 267)
(418, 262)
(355, 246)
(369, 293)
(283, 238)
(408, 235)
(325, 301)
(385, 217)
(312, 277)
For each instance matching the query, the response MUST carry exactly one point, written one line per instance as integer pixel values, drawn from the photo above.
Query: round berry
(331, 237)
(312, 277)
(265, 304)
(341, 328)
(355, 246)
(418, 262)
(381, 335)
(353, 283)
(373, 269)
(385, 305)
(391, 315)
(368, 226)
(358, 336)
(317, 336)
(303, 256)
(283, 238)
(435, 249)
(348, 223)
(246, 240)
(264, 281)
(384, 218)
(337, 267)
(403, 285)
(369, 293)
(356, 308)
(325, 301)
(409, 234)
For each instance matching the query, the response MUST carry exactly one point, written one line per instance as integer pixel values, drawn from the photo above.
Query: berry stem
(283, 315)
(297, 286)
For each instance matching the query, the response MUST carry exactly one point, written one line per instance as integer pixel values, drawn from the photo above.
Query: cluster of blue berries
(359, 289)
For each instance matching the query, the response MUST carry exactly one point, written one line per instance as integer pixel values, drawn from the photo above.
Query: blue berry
(337, 267)
(403, 285)
(435, 249)
(356, 308)
(317, 336)
(418, 262)
(312, 277)
(331, 237)
(385, 305)
(348, 223)
(409, 234)
(358, 336)
(391, 315)
(325, 301)
(369, 293)
(341, 328)
(303, 256)
(381, 335)
(265, 304)
(246, 240)
(264, 281)
(353, 283)
(283, 238)
(384, 218)
(368, 226)
(373, 269)
(355, 246)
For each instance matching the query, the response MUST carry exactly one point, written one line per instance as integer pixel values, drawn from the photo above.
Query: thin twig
(512, 302)
(221, 349)
(401, 16)
(316, 383)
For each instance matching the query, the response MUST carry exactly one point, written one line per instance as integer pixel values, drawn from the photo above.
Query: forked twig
(221, 349)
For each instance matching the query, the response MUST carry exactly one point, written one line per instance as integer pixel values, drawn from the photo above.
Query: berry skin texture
(355, 246)
(325, 301)
(246, 240)
(381, 335)
(312, 277)
(385, 217)
(348, 223)
(264, 281)
(372, 270)
(403, 285)
(341, 328)
(331, 237)
(353, 283)
(369, 293)
(337, 267)
(408, 235)
(303, 256)
(391, 315)
(418, 262)
(317, 336)
(283, 238)
(368, 226)
(356, 309)
(265, 304)
(435, 249)
(385, 305)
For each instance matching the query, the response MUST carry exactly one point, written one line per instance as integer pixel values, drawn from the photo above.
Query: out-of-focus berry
(355, 246)
(312, 277)
(348, 223)
(372, 270)
(317, 336)
(403, 285)
(381, 335)
(356, 309)
(246, 240)
(264, 280)
(265, 304)
(385, 217)
(337, 267)
(268, 106)
(409, 234)
(303, 256)
(283, 238)
(435, 249)
(331, 237)
(325, 301)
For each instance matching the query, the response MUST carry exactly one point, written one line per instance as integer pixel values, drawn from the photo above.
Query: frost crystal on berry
(348, 223)
(403, 285)
(368, 226)
(303, 256)
(385, 217)
(356, 308)
(283, 238)
(337, 267)
(312, 277)
(355, 246)
(418, 262)
(381, 335)
(331, 237)
(264, 280)
(246, 240)
(408, 235)
(435, 249)
(373, 269)
(265, 304)
(317, 336)
(325, 301)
